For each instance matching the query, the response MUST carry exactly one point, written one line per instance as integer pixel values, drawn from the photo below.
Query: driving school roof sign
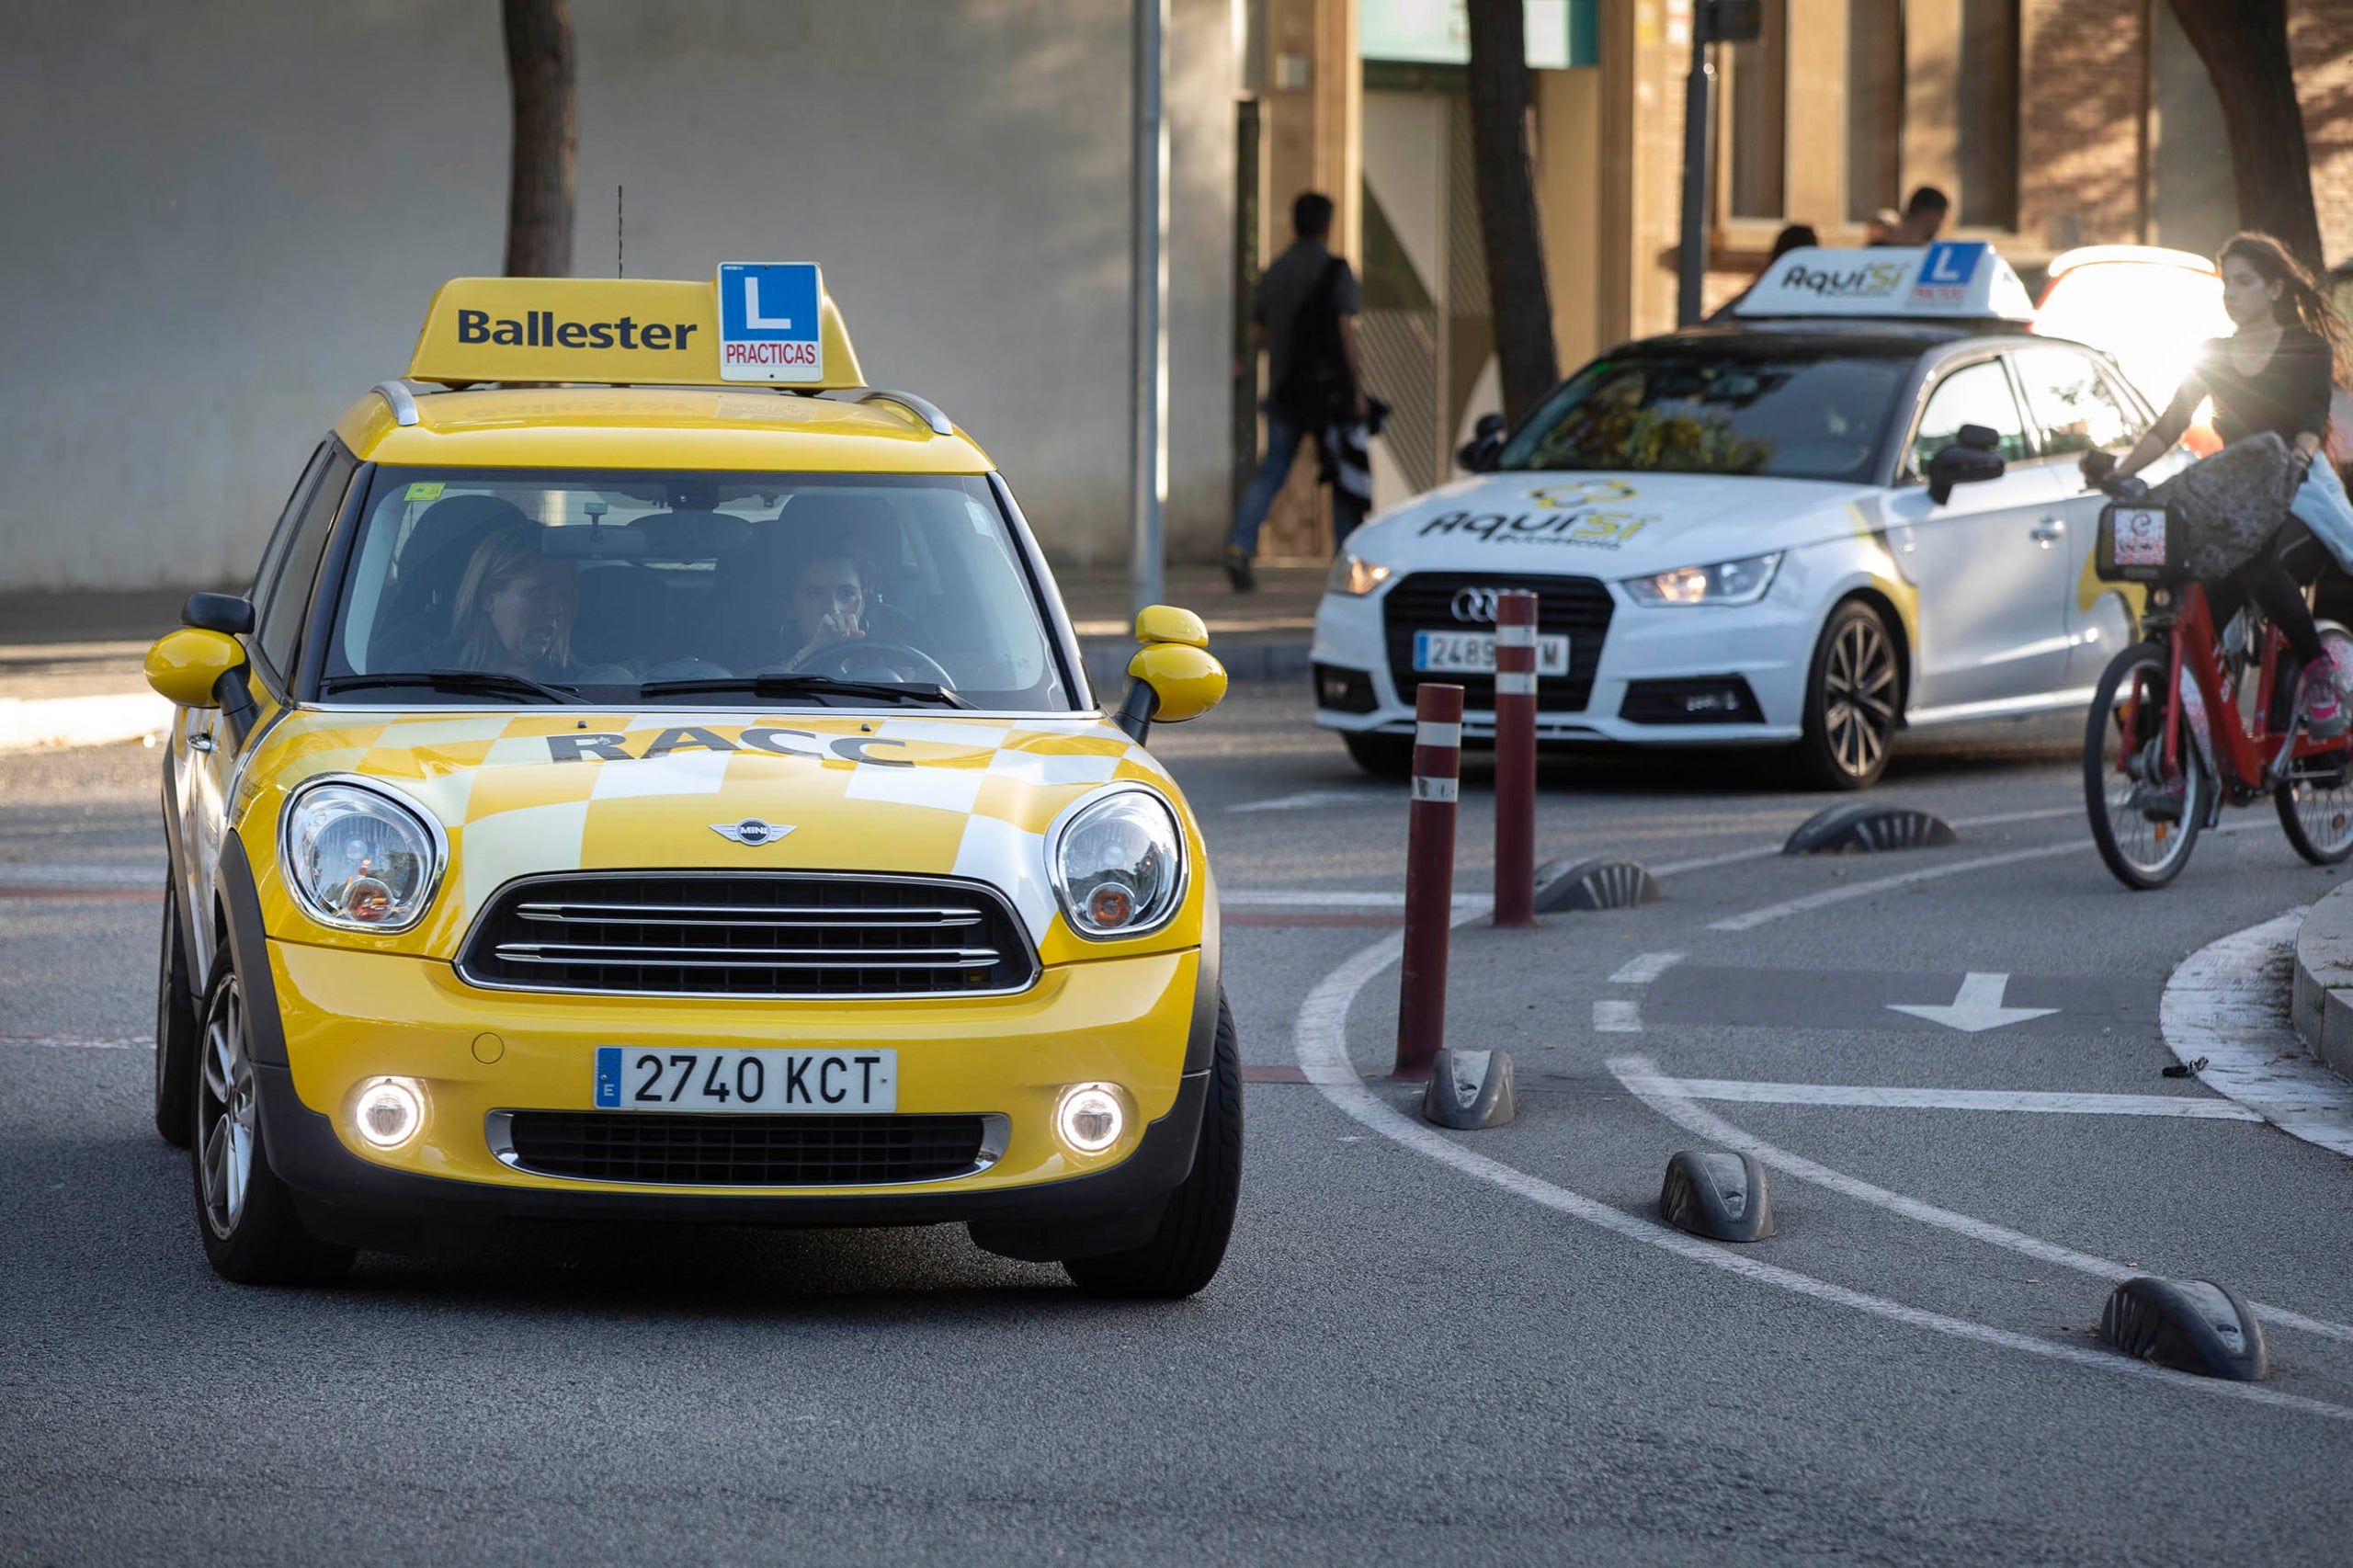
(769, 324)
(1951, 278)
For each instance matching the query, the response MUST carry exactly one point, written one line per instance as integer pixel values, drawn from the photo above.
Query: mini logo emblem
(751, 830)
(1475, 604)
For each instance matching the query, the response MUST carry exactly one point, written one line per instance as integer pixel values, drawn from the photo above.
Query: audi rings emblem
(1475, 604)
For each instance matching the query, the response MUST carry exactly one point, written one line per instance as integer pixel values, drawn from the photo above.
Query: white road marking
(1671, 1098)
(1977, 1007)
(1749, 1092)
(1328, 898)
(81, 874)
(1675, 868)
(2227, 1002)
(1307, 798)
(1618, 1016)
(1644, 968)
(1772, 912)
(1996, 819)
(68, 1043)
(1319, 1044)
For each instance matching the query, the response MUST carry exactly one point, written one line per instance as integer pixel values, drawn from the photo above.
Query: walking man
(1304, 317)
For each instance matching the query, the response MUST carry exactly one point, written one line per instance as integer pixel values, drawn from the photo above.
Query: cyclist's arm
(2168, 427)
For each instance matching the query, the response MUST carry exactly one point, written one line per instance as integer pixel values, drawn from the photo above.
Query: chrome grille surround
(770, 936)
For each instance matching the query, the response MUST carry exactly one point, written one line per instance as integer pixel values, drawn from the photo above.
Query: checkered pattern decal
(552, 791)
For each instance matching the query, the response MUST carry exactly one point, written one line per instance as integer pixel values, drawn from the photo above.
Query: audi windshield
(1761, 406)
(689, 589)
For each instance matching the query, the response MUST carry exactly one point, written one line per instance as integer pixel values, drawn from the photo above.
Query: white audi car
(1852, 509)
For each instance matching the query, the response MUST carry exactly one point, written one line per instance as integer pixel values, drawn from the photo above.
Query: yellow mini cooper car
(653, 778)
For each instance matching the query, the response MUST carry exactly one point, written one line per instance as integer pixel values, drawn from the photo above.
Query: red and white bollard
(1429, 879)
(1516, 759)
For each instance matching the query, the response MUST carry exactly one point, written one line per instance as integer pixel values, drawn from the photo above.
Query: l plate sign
(768, 322)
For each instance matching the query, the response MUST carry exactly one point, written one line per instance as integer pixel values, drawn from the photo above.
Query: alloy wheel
(225, 1112)
(1858, 697)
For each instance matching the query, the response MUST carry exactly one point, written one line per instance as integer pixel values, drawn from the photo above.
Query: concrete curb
(82, 721)
(2322, 1003)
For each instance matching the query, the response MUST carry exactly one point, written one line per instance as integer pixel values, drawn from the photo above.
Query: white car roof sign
(1961, 278)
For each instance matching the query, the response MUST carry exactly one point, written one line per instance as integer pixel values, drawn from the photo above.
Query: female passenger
(514, 609)
(2273, 374)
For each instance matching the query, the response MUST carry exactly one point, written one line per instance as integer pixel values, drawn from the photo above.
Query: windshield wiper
(487, 682)
(806, 686)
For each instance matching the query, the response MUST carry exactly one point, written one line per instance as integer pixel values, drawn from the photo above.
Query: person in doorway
(2274, 373)
(1304, 318)
(1924, 214)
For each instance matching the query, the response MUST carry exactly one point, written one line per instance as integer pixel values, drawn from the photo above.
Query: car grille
(742, 1150)
(748, 934)
(1578, 607)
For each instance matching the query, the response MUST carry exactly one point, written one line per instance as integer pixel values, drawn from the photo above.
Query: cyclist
(2273, 374)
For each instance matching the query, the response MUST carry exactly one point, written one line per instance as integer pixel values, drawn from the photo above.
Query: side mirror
(1172, 677)
(1486, 444)
(219, 612)
(184, 667)
(1972, 458)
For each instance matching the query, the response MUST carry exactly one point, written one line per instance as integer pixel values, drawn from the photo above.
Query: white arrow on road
(1979, 1007)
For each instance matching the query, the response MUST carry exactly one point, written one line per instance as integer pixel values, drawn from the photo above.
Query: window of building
(1757, 118)
(1986, 106)
(1874, 107)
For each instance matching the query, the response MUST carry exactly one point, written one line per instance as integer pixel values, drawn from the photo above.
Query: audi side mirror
(1479, 453)
(1973, 457)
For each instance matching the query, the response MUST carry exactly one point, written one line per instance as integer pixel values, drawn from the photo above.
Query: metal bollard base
(1470, 1089)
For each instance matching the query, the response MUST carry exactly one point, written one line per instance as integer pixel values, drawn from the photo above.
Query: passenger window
(2074, 408)
(280, 616)
(1977, 395)
(275, 550)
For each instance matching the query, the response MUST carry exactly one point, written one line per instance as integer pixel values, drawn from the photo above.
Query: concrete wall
(223, 224)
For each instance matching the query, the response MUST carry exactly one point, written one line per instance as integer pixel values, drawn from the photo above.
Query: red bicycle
(2178, 731)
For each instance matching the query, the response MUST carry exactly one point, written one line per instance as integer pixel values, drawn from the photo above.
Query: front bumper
(1768, 646)
(348, 1015)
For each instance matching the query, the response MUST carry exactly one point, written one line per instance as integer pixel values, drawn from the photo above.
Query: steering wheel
(857, 659)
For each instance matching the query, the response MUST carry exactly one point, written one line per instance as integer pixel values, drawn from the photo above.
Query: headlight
(356, 860)
(1354, 575)
(1728, 583)
(1119, 865)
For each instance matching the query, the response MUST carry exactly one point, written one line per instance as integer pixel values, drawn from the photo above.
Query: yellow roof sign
(770, 325)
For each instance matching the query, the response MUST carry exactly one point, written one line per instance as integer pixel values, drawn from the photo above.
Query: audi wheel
(1853, 698)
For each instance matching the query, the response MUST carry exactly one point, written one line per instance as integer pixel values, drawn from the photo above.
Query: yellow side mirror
(185, 666)
(1187, 681)
(1166, 623)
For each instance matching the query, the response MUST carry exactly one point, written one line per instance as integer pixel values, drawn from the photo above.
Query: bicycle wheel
(2315, 800)
(2145, 820)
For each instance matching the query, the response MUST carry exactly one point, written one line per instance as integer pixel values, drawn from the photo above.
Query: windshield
(1786, 413)
(605, 585)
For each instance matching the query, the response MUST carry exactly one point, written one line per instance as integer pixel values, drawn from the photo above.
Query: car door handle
(2048, 533)
(199, 743)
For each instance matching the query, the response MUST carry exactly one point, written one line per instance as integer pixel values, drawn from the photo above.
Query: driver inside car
(826, 606)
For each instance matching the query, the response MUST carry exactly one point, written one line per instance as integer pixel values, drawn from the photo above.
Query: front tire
(2124, 776)
(176, 1031)
(245, 1214)
(1184, 1252)
(1383, 757)
(1853, 696)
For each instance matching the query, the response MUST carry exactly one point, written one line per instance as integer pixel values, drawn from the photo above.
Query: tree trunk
(1522, 304)
(2244, 46)
(547, 138)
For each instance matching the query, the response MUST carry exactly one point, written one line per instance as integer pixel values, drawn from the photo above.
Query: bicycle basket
(2139, 543)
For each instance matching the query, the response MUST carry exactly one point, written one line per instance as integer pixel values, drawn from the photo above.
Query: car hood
(523, 792)
(1606, 525)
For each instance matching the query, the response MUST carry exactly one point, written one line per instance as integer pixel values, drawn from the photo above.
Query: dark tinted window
(279, 615)
(1795, 414)
(274, 552)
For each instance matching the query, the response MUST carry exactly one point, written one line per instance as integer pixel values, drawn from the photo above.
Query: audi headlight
(1119, 865)
(358, 859)
(1727, 583)
(1355, 575)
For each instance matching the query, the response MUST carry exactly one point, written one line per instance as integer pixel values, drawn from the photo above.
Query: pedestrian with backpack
(1304, 318)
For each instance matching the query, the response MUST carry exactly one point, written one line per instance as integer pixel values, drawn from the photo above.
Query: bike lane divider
(1320, 1044)
(1674, 1099)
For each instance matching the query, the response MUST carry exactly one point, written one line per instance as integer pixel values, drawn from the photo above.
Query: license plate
(808, 1081)
(1473, 653)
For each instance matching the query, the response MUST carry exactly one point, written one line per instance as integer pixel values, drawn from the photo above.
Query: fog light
(1090, 1116)
(388, 1112)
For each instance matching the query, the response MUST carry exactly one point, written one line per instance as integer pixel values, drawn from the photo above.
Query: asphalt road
(1424, 1347)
